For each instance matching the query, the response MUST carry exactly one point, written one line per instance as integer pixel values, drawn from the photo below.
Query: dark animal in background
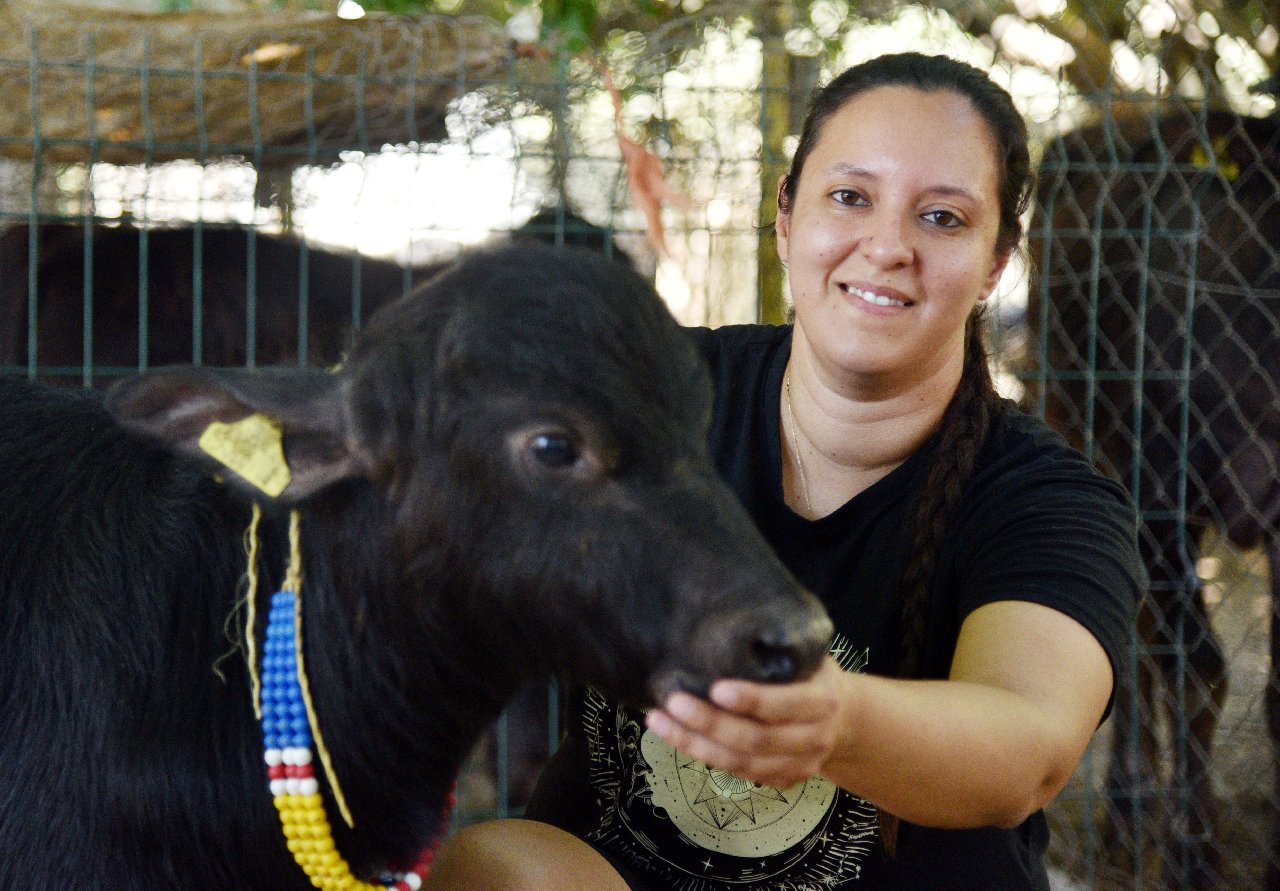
(1161, 335)
(304, 302)
(152, 273)
(561, 226)
(509, 474)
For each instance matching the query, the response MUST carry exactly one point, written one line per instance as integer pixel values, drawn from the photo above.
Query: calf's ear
(280, 433)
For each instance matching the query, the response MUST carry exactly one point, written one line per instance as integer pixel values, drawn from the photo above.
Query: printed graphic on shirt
(694, 828)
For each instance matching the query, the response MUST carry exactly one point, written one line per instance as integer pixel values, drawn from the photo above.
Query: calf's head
(532, 423)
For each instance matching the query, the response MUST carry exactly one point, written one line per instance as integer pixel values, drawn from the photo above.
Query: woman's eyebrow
(942, 190)
(844, 169)
(960, 192)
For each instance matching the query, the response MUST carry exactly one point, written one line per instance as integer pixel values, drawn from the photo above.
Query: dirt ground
(1237, 590)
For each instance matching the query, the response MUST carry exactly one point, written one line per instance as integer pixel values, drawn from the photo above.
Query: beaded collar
(290, 733)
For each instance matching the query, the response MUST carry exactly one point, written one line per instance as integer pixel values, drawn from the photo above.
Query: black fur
(444, 561)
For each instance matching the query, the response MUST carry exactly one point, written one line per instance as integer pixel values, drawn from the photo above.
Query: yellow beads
(310, 840)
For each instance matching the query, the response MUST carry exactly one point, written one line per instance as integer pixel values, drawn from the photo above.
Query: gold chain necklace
(795, 448)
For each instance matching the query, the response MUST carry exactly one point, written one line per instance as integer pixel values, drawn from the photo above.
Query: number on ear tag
(253, 447)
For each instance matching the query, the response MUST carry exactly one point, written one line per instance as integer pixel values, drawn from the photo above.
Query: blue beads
(284, 714)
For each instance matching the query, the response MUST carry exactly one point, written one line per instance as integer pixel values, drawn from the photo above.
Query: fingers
(766, 767)
(777, 704)
(772, 734)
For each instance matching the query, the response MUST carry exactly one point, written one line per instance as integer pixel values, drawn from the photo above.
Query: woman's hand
(986, 747)
(770, 734)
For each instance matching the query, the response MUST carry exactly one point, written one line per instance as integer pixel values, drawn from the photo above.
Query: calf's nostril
(775, 659)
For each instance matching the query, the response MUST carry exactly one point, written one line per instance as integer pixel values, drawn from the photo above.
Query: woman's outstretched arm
(989, 746)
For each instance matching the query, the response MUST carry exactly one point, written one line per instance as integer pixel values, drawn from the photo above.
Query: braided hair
(976, 406)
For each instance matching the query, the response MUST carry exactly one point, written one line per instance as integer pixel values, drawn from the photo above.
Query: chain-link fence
(1154, 326)
(244, 190)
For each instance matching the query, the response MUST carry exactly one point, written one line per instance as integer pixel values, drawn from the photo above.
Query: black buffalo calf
(508, 475)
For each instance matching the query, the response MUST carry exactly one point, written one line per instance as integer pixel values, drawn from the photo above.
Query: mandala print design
(724, 830)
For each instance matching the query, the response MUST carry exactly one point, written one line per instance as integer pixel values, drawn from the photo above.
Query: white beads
(295, 786)
(296, 756)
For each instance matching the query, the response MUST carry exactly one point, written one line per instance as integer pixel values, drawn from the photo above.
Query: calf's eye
(554, 450)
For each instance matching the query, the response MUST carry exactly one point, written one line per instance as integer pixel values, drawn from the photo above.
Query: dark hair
(932, 74)
(976, 406)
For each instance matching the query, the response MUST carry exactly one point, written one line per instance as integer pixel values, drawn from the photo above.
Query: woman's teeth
(877, 299)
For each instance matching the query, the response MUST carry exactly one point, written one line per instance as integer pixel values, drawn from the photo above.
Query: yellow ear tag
(1227, 168)
(252, 447)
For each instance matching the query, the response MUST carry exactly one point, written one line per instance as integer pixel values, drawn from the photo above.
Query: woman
(980, 575)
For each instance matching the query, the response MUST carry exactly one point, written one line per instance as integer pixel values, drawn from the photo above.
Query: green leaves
(571, 23)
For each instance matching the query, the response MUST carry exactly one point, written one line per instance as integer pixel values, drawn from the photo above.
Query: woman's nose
(887, 242)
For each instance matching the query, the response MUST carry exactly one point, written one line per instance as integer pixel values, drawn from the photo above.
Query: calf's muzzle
(783, 640)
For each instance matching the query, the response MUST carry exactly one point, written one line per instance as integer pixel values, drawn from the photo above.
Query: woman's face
(891, 237)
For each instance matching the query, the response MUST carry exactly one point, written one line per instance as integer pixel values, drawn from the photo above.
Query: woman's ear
(782, 222)
(993, 277)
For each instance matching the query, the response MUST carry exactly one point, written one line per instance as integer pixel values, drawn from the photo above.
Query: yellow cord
(251, 616)
(293, 572)
(293, 582)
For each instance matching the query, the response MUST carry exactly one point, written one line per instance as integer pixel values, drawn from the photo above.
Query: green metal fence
(245, 190)
(1155, 342)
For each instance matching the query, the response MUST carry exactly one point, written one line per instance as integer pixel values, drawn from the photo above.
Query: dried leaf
(649, 188)
(645, 176)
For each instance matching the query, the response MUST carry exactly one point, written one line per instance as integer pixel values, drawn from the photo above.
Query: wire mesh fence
(1156, 340)
(246, 190)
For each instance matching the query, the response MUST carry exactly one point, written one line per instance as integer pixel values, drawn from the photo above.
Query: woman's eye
(944, 218)
(555, 450)
(847, 197)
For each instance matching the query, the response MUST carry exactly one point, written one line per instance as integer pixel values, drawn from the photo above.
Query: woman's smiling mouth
(873, 298)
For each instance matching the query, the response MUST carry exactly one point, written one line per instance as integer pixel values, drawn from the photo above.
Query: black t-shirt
(1036, 523)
